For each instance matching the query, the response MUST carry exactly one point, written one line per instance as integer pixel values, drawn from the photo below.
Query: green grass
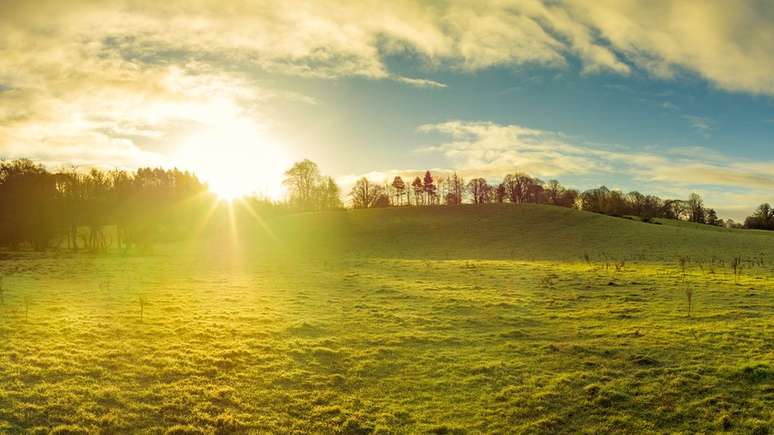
(524, 232)
(399, 321)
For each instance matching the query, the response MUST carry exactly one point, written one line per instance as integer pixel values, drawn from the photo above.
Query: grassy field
(505, 319)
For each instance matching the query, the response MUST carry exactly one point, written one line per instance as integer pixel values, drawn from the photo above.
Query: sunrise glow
(234, 159)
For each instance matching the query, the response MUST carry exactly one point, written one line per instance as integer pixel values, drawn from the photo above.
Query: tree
(382, 200)
(595, 200)
(568, 198)
(674, 209)
(302, 182)
(441, 190)
(400, 189)
(521, 187)
(762, 218)
(712, 218)
(651, 207)
(696, 212)
(511, 187)
(69, 187)
(328, 194)
(455, 189)
(535, 191)
(429, 188)
(553, 192)
(480, 191)
(308, 189)
(636, 202)
(98, 187)
(366, 194)
(28, 194)
(616, 203)
(37, 206)
(418, 189)
(501, 193)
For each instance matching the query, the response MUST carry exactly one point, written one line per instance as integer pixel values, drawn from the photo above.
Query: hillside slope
(505, 231)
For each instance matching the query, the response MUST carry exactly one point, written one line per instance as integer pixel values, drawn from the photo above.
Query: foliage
(366, 194)
(38, 206)
(309, 190)
(762, 219)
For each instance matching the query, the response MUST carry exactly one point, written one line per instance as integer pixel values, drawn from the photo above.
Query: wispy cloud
(421, 83)
(670, 106)
(701, 124)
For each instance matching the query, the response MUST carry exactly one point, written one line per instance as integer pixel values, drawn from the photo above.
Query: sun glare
(235, 160)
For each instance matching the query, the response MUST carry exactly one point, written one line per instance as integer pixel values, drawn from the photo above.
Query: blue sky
(376, 122)
(663, 97)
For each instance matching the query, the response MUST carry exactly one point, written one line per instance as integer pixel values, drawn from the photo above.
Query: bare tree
(553, 192)
(517, 187)
(302, 180)
(636, 202)
(366, 194)
(480, 191)
(456, 189)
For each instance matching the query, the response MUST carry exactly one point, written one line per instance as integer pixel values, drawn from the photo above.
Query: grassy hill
(353, 331)
(505, 231)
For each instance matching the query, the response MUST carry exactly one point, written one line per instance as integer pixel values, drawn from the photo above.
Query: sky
(664, 97)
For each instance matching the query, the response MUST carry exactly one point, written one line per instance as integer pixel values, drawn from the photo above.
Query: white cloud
(421, 83)
(731, 47)
(330, 38)
(494, 149)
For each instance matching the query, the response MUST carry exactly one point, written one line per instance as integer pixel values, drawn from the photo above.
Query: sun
(234, 159)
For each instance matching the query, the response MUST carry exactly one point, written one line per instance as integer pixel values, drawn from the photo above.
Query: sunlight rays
(229, 216)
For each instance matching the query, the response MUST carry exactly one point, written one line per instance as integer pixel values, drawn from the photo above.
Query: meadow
(496, 319)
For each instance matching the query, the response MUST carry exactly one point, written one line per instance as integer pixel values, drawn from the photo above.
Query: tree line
(762, 218)
(96, 210)
(73, 209)
(521, 188)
